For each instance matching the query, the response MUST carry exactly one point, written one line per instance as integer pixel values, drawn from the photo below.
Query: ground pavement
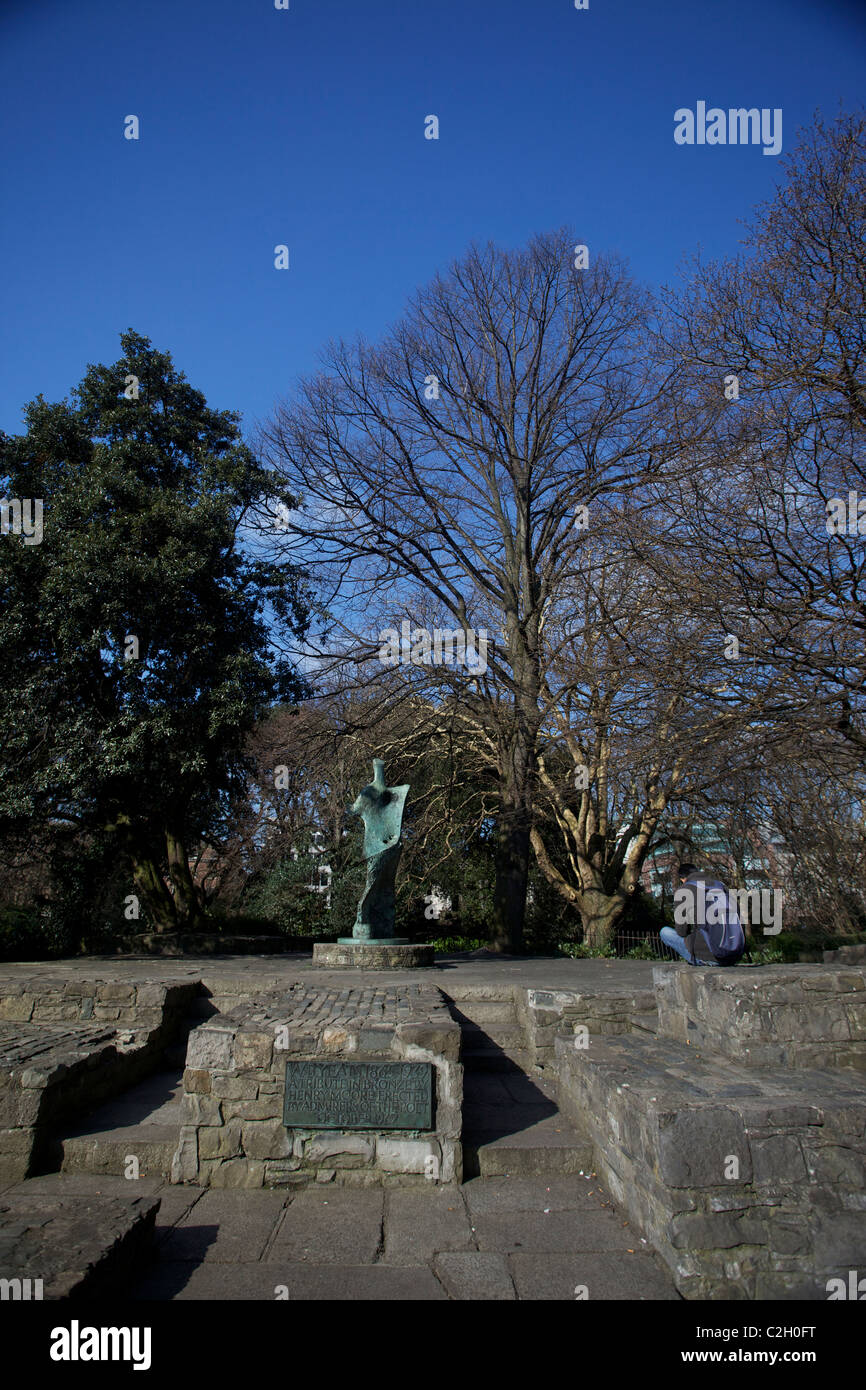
(552, 1237)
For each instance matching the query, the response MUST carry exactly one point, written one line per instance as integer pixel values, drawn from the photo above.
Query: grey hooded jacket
(694, 937)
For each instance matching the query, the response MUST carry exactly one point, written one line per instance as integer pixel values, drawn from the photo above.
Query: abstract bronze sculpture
(381, 808)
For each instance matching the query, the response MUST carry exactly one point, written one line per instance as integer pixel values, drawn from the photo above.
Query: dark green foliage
(145, 501)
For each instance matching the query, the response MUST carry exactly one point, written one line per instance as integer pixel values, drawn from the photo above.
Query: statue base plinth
(382, 953)
(372, 941)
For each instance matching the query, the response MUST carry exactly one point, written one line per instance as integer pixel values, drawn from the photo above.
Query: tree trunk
(512, 872)
(186, 899)
(151, 889)
(600, 912)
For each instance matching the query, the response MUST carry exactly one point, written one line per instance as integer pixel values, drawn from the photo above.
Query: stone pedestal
(252, 1117)
(385, 953)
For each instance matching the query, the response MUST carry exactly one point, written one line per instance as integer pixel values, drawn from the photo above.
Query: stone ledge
(233, 1132)
(803, 1016)
(76, 1246)
(337, 955)
(748, 1183)
(546, 1013)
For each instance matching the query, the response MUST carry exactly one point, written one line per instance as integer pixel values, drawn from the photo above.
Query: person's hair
(683, 870)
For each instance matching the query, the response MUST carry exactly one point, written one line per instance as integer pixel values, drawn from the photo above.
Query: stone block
(324, 1147)
(16, 1142)
(281, 1172)
(406, 1155)
(19, 1107)
(338, 1040)
(210, 1049)
(840, 1241)
(16, 1008)
(778, 1158)
(184, 1164)
(438, 1039)
(793, 1116)
(788, 1235)
(32, 1079)
(253, 1051)
(197, 1081)
(837, 1163)
(200, 1110)
(266, 1139)
(232, 1087)
(856, 1013)
(150, 996)
(238, 1172)
(694, 1147)
(222, 1142)
(722, 1231)
(264, 1109)
(375, 1041)
(115, 990)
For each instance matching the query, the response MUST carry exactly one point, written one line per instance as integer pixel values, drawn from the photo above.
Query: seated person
(707, 929)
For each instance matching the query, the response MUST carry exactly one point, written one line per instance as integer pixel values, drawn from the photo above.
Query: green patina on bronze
(359, 1095)
(381, 808)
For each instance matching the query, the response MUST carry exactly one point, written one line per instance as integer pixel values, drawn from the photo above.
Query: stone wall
(68, 1045)
(741, 1164)
(791, 1016)
(745, 1196)
(138, 1004)
(233, 1133)
(846, 955)
(546, 1013)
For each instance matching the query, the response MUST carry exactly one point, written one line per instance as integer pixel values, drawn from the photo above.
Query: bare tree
(773, 347)
(439, 476)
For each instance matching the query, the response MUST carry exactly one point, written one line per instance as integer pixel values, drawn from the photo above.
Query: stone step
(531, 1153)
(57, 1244)
(491, 1058)
(144, 1122)
(462, 992)
(507, 1035)
(512, 1125)
(484, 1011)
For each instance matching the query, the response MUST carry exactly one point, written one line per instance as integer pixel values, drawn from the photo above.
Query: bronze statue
(381, 808)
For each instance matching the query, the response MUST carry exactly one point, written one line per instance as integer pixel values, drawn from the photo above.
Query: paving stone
(494, 1196)
(419, 1224)
(304, 1283)
(225, 1226)
(336, 1225)
(564, 1231)
(174, 1204)
(605, 1277)
(475, 1275)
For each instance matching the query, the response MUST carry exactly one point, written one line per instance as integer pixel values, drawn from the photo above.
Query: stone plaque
(359, 1095)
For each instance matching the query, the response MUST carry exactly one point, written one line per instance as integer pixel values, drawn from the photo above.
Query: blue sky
(306, 127)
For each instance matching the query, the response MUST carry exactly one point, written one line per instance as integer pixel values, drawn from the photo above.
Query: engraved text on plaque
(359, 1095)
